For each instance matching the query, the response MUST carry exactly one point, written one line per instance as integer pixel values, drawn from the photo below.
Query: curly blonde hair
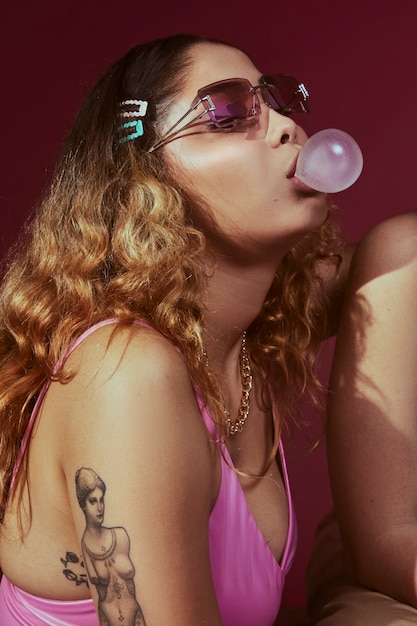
(113, 238)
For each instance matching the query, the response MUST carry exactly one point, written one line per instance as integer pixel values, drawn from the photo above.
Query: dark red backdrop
(358, 59)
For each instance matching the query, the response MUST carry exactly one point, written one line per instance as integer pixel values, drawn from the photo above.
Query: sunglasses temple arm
(171, 132)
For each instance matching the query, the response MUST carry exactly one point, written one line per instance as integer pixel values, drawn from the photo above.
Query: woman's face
(94, 507)
(242, 179)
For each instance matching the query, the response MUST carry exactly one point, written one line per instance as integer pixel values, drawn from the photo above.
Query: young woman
(158, 327)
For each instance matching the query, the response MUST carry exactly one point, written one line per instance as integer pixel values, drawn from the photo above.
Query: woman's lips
(292, 167)
(292, 176)
(300, 186)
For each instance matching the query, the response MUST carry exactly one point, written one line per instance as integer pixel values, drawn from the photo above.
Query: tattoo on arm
(107, 556)
(71, 562)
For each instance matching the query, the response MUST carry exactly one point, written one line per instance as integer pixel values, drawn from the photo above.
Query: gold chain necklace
(236, 426)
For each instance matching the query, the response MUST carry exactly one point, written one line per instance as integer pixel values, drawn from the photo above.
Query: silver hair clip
(132, 109)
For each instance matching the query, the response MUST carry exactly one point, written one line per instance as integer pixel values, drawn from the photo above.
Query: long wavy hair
(114, 237)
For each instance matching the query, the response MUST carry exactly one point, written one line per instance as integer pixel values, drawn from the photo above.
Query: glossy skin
(244, 177)
(251, 209)
(131, 407)
(372, 428)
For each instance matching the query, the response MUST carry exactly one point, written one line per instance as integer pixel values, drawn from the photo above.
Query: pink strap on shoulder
(42, 393)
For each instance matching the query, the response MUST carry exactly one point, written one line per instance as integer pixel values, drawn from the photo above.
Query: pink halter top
(248, 580)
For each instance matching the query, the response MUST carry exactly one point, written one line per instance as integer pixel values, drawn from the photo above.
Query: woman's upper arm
(135, 423)
(372, 425)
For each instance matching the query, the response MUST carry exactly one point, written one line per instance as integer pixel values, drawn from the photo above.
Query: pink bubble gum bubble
(330, 161)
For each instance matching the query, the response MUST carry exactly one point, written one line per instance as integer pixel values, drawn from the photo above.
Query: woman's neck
(234, 298)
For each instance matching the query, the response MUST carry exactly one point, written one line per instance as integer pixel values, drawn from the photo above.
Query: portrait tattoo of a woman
(106, 554)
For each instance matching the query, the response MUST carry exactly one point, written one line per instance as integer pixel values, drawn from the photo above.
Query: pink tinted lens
(233, 102)
(283, 94)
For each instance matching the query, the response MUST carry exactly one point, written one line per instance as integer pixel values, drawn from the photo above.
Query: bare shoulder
(382, 277)
(131, 389)
(390, 245)
(402, 224)
(120, 351)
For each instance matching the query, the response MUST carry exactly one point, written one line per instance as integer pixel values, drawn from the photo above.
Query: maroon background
(358, 59)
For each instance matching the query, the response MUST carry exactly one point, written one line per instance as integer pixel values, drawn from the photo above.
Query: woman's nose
(282, 129)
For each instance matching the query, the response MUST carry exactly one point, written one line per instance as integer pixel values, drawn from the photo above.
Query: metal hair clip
(132, 109)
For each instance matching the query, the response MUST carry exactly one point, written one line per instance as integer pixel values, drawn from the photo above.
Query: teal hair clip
(138, 132)
(132, 109)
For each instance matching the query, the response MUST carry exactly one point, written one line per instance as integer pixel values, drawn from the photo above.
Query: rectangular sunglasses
(232, 103)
